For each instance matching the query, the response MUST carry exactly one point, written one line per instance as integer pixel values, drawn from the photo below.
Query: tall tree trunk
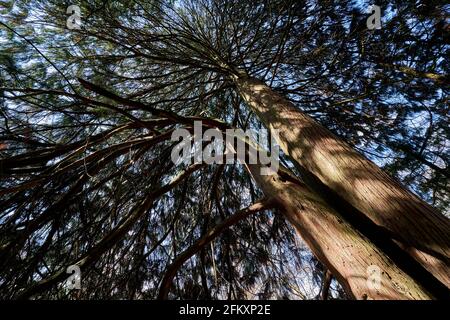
(347, 253)
(360, 191)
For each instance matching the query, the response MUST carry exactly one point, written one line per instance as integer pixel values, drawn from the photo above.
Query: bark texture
(347, 253)
(414, 225)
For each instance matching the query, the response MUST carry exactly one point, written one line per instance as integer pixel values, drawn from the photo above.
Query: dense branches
(86, 119)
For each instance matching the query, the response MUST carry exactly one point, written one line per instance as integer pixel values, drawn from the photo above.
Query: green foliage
(65, 186)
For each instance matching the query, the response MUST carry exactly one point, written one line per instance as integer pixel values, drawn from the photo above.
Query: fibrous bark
(346, 252)
(368, 194)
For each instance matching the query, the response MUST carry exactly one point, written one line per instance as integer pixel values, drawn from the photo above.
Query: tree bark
(326, 285)
(362, 192)
(346, 252)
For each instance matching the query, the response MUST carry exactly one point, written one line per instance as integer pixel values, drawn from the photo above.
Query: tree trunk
(347, 253)
(377, 204)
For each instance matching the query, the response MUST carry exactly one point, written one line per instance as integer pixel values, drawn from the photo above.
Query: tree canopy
(87, 116)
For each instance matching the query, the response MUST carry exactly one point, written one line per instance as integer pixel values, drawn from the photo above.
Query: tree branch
(166, 282)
